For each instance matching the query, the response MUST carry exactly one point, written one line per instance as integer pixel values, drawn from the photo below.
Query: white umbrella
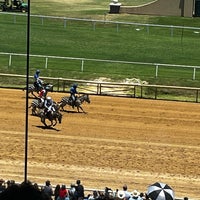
(160, 191)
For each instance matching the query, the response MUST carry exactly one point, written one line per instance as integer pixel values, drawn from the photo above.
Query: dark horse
(79, 100)
(32, 88)
(53, 117)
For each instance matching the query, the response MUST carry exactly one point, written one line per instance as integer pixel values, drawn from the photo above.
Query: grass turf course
(80, 39)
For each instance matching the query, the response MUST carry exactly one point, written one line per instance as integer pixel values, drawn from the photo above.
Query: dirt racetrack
(119, 141)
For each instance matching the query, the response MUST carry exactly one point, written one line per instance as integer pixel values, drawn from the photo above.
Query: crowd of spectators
(10, 190)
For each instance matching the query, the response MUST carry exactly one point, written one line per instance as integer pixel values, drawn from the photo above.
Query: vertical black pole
(27, 82)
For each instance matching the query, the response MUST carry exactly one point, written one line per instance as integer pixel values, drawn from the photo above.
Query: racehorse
(37, 105)
(31, 88)
(79, 100)
(53, 117)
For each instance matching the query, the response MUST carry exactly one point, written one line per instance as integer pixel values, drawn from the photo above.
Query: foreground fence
(83, 62)
(129, 90)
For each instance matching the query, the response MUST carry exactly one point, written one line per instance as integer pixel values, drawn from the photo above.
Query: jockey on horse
(42, 96)
(38, 82)
(48, 106)
(73, 92)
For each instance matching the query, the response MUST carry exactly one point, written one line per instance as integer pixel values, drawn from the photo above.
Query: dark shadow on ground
(48, 128)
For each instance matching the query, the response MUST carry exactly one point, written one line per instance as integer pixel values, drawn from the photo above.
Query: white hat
(121, 194)
(135, 193)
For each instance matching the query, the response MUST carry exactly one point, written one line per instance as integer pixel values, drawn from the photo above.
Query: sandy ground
(119, 141)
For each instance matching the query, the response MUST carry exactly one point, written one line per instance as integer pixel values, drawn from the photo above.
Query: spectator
(35, 185)
(2, 187)
(94, 195)
(63, 193)
(79, 192)
(56, 192)
(10, 183)
(127, 194)
(48, 191)
(22, 191)
(136, 196)
(71, 192)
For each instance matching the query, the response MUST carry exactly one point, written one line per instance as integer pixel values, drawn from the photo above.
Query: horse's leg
(81, 109)
(43, 121)
(33, 94)
(33, 111)
(55, 122)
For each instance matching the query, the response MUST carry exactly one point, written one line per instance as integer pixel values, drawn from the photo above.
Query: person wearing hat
(136, 196)
(38, 82)
(42, 96)
(124, 194)
(48, 105)
(73, 92)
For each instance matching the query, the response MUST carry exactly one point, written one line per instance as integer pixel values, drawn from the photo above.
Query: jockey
(42, 96)
(73, 92)
(48, 104)
(37, 82)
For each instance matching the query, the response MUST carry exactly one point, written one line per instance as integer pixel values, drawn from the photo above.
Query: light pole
(27, 82)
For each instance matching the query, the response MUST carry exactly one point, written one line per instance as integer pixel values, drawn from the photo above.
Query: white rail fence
(104, 21)
(130, 90)
(84, 60)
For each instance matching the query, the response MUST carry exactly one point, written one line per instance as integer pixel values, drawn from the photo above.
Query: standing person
(48, 191)
(2, 186)
(37, 82)
(73, 92)
(63, 193)
(56, 192)
(127, 194)
(79, 193)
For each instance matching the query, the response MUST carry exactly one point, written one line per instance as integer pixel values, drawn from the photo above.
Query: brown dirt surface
(119, 141)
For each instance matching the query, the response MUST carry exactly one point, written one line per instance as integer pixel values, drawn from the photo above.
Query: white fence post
(82, 64)
(156, 70)
(15, 19)
(10, 61)
(194, 73)
(94, 26)
(46, 63)
(65, 23)
(42, 18)
(148, 29)
(172, 31)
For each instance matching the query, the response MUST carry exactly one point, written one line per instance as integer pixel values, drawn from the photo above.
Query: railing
(83, 60)
(94, 22)
(131, 90)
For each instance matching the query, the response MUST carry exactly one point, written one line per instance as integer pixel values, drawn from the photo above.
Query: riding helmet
(75, 85)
